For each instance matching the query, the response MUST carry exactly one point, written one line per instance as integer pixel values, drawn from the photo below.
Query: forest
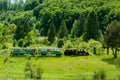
(42, 22)
(25, 23)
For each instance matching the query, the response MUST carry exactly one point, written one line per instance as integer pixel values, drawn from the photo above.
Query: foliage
(15, 43)
(20, 43)
(78, 26)
(24, 25)
(25, 14)
(31, 37)
(112, 36)
(43, 40)
(99, 75)
(31, 4)
(95, 47)
(60, 43)
(12, 28)
(51, 33)
(33, 71)
(92, 29)
(5, 35)
(63, 31)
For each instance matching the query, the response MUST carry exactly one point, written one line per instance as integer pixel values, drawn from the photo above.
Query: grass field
(60, 68)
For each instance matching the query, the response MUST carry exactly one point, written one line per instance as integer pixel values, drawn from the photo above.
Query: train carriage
(52, 51)
(22, 51)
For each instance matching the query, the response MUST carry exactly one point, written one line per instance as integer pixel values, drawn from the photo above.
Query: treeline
(58, 18)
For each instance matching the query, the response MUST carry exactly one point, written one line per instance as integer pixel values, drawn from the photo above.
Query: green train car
(52, 51)
(32, 51)
(22, 51)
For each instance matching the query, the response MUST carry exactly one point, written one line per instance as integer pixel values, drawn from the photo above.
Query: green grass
(60, 68)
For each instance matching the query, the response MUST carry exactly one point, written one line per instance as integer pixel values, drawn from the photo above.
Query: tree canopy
(112, 36)
(76, 18)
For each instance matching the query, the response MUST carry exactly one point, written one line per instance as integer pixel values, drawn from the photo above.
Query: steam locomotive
(70, 52)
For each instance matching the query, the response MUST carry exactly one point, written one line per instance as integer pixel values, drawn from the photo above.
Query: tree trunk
(94, 50)
(115, 53)
(107, 50)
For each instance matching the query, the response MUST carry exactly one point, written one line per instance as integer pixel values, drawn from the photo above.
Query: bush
(28, 70)
(99, 75)
(60, 43)
(14, 43)
(33, 71)
(94, 50)
(44, 40)
(20, 43)
(4, 47)
(38, 73)
(95, 47)
(25, 44)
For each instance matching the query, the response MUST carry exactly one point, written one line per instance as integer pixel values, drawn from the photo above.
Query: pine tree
(92, 28)
(63, 31)
(51, 33)
(78, 26)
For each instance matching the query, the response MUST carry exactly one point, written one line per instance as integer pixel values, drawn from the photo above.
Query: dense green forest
(24, 22)
(90, 26)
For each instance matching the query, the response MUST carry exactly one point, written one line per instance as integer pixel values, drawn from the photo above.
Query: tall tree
(112, 37)
(40, 1)
(51, 33)
(63, 31)
(5, 34)
(24, 25)
(3, 5)
(20, 5)
(31, 4)
(45, 20)
(78, 26)
(92, 30)
(31, 37)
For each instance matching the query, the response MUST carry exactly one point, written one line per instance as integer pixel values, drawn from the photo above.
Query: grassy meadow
(60, 68)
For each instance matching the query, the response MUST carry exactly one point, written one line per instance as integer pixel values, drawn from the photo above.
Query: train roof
(35, 48)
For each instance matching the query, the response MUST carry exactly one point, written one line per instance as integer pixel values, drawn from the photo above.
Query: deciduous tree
(112, 36)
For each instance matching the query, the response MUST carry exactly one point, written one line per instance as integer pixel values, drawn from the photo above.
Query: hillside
(60, 68)
(39, 14)
(32, 31)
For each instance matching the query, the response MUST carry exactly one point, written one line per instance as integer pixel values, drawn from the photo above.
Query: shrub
(14, 43)
(20, 43)
(44, 40)
(4, 47)
(28, 70)
(33, 71)
(60, 43)
(38, 73)
(92, 44)
(99, 75)
(94, 50)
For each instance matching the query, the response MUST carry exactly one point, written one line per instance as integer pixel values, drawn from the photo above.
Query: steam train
(47, 51)
(70, 52)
